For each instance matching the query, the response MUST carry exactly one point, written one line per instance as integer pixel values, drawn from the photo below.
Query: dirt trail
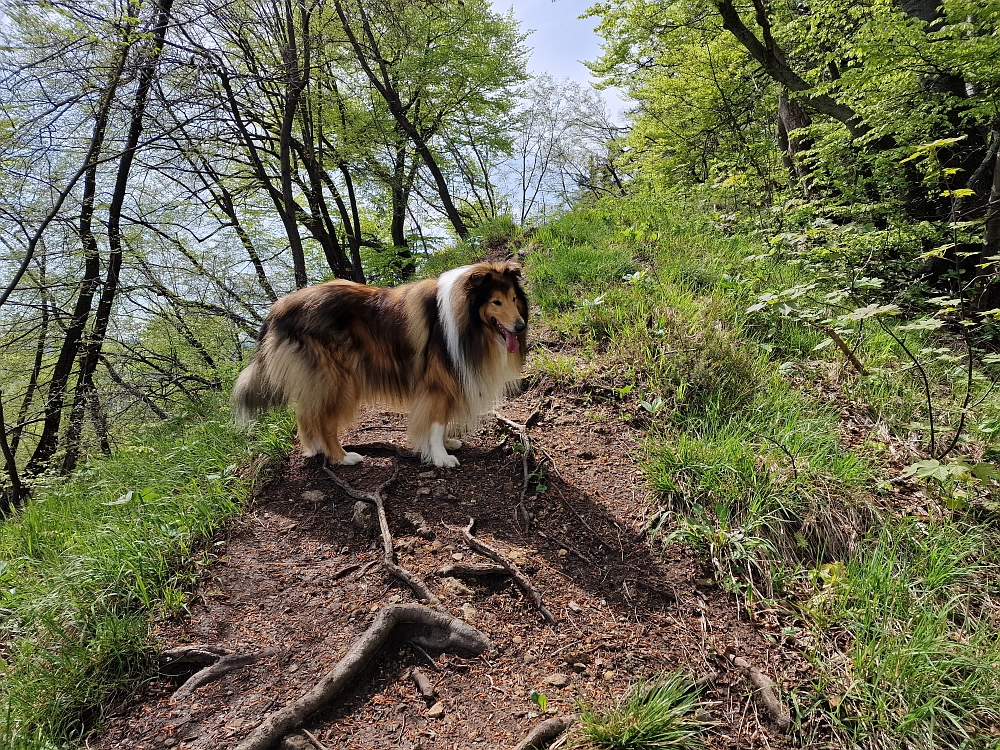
(625, 609)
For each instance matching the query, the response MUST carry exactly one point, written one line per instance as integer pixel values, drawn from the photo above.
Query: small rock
(441, 493)
(314, 496)
(517, 640)
(579, 667)
(395, 599)
(609, 674)
(558, 680)
(575, 607)
(436, 545)
(528, 658)
(293, 669)
(436, 711)
(170, 742)
(470, 613)
(518, 557)
(423, 491)
(562, 553)
(458, 557)
(427, 474)
(364, 517)
(456, 587)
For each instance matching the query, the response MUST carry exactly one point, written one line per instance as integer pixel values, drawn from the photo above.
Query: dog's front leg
(439, 455)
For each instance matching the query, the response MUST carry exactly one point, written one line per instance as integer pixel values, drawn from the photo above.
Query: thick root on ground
(434, 630)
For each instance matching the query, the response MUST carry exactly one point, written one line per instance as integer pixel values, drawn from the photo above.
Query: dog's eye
(497, 302)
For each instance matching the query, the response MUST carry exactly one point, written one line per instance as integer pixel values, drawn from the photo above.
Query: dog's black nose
(520, 326)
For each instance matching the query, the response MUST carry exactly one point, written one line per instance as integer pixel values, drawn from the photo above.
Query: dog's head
(499, 302)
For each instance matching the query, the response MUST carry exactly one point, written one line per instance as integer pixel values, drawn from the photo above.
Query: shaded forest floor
(627, 609)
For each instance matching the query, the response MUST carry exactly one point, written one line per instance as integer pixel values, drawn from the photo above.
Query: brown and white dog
(448, 349)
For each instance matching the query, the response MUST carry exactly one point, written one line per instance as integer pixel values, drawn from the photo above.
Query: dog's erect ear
(512, 269)
(474, 279)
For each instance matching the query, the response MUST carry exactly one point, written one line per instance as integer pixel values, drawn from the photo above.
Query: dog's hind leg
(341, 409)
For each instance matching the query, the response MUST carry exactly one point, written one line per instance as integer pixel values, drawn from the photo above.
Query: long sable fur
(433, 347)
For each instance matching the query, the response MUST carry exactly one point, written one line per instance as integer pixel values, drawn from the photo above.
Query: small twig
(851, 356)
(388, 553)
(545, 733)
(526, 454)
(314, 739)
(767, 691)
(345, 571)
(795, 470)
(428, 657)
(424, 685)
(705, 680)
(519, 578)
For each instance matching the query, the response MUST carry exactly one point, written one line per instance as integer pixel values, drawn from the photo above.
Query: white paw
(445, 461)
(309, 451)
(350, 459)
(452, 444)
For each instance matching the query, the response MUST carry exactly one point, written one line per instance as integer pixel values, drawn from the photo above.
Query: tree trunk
(792, 118)
(772, 60)
(49, 439)
(85, 391)
(383, 84)
(294, 86)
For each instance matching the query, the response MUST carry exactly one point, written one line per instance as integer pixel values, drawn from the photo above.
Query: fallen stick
(444, 632)
(424, 685)
(526, 454)
(767, 691)
(519, 578)
(388, 553)
(545, 733)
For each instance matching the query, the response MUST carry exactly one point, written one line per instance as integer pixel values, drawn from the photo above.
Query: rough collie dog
(446, 349)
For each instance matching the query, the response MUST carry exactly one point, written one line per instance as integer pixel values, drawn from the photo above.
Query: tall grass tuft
(653, 715)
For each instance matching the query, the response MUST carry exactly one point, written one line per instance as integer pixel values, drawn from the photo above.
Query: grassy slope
(742, 450)
(753, 465)
(87, 564)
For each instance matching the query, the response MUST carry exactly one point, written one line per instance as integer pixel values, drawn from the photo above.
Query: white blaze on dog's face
(501, 314)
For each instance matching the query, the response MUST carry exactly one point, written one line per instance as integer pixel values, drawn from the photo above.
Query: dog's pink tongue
(512, 343)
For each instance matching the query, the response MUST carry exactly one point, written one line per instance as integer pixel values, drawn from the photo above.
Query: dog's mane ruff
(484, 379)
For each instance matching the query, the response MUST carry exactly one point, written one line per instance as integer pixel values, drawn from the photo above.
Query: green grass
(653, 715)
(87, 564)
(750, 458)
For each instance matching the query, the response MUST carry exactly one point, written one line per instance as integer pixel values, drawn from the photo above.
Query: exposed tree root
(767, 691)
(545, 733)
(472, 570)
(388, 553)
(519, 578)
(207, 662)
(438, 630)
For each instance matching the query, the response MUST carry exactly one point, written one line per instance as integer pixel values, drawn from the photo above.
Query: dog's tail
(254, 393)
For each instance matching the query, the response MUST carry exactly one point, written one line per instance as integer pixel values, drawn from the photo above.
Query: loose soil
(628, 608)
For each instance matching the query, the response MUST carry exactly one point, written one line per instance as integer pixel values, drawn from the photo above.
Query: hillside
(707, 499)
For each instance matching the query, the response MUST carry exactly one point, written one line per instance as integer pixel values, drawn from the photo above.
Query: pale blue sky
(560, 40)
